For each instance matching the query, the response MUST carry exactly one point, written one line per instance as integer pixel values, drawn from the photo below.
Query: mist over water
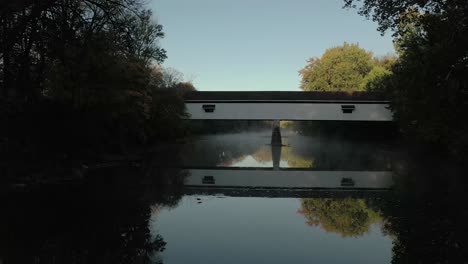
(321, 152)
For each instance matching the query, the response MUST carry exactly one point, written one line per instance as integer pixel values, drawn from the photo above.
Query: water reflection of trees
(429, 214)
(228, 149)
(349, 217)
(319, 152)
(425, 215)
(224, 149)
(104, 220)
(340, 153)
(264, 155)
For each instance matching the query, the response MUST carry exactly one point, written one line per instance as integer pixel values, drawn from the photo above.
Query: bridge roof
(274, 96)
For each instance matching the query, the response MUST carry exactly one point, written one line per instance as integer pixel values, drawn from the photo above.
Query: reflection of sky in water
(252, 149)
(258, 230)
(250, 161)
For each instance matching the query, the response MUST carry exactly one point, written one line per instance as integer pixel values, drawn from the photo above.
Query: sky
(257, 45)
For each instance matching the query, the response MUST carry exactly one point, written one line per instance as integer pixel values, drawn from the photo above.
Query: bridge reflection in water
(261, 182)
(305, 215)
(285, 178)
(288, 178)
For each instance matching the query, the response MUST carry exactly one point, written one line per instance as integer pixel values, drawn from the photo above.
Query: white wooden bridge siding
(258, 178)
(290, 111)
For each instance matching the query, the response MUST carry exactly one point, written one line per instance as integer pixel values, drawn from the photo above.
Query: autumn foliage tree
(77, 79)
(343, 68)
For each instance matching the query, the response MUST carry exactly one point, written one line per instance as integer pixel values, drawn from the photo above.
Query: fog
(314, 151)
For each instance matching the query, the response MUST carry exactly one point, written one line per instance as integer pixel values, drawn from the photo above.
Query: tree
(386, 62)
(429, 85)
(79, 73)
(341, 68)
(184, 87)
(38, 34)
(347, 217)
(171, 77)
(375, 80)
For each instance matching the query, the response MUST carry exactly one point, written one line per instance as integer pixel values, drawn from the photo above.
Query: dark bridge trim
(284, 97)
(287, 101)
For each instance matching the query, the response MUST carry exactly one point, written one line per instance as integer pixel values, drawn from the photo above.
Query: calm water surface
(233, 198)
(219, 229)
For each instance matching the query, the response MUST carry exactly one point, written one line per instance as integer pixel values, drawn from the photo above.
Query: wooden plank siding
(338, 106)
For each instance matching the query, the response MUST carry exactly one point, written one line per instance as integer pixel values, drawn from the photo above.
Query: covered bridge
(338, 106)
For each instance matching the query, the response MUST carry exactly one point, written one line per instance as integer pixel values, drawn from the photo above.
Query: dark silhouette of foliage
(184, 87)
(105, 219)
(78, 80)
(429, 85)
(427, 215)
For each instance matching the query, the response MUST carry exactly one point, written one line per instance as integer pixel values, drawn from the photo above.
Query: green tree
(386, 61)
(429, 87)
(348, 217)
(376, 79)
(341, 68)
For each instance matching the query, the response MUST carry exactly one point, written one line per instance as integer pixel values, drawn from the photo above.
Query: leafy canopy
(83, 75)
(429, 86)
(341, 68)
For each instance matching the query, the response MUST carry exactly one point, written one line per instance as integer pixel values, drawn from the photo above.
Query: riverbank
(16, 179)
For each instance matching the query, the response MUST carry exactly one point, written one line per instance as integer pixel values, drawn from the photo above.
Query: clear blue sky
(257, 44)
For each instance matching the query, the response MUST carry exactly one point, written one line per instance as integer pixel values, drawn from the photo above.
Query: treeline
(427, 81)
(81, 78)
(429, 84)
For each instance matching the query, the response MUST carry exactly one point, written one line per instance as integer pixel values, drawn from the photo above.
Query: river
(235, 198)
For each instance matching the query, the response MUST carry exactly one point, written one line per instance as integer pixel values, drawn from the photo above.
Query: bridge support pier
(276, 134)
(276, 156)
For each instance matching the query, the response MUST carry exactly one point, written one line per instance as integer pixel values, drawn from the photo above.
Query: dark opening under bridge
(277, 106)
